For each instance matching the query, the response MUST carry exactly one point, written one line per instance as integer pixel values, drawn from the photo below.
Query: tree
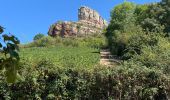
(121, 27)
(38, 36)
(120, 12)
(9, 57)
(165, 19)
(141, 12)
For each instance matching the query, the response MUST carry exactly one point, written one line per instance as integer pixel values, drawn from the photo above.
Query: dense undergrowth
(49, 82)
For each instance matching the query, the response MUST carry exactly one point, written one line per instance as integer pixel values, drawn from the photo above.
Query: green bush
(38, 36)
(46, 81)
(93, 42)
(137, 34)
(45, 42)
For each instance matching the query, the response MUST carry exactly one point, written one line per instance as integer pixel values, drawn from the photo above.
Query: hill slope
(63, 56)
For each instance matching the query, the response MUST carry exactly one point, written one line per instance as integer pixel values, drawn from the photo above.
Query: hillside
(63, 56)
(127, 59)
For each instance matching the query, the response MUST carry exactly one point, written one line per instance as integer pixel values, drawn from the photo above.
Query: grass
(62, 56)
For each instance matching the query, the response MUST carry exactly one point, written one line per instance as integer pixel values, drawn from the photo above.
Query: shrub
(38, 36)
(93, 42)
(44, 42)
(128, 81)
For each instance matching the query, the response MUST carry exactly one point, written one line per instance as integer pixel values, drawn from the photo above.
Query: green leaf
(11, 38)
(11, 74)
(14, 54)
(9, 63)
(12, 46)
(1, 63)
(6, 37)
(0, 45)
(1, 30)
(15, 40)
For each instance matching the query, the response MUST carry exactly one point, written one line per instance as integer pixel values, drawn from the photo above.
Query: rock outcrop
(90, 16)
(89, 23)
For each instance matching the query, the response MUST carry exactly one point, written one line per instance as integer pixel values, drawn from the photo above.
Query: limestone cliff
(89, 23)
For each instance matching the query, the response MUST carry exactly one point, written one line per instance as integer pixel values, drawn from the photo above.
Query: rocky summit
(89, 23)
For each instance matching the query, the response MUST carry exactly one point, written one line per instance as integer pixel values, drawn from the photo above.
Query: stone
(89, 23)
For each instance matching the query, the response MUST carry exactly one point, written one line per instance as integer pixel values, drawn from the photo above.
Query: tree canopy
(38, 36)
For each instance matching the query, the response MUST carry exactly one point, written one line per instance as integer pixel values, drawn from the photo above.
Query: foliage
(9, 57)
(135, 21)
(93, 42)
(139, 36)
(47, 81)
(120, 30)
(67, 68)
(161, 14)
(38, 36)
(150, 24)
(157, 55)
(121, 11)
(63, 56)
(44, 42)
(158, 12)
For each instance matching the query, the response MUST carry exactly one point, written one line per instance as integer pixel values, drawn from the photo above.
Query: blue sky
(26, 18)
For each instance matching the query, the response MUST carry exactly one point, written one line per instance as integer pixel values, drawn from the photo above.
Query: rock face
(89, 23)
(88, 15)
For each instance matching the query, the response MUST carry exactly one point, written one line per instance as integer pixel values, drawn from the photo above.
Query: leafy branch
(9, 56)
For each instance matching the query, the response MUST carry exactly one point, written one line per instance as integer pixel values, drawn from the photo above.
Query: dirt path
(107, 59)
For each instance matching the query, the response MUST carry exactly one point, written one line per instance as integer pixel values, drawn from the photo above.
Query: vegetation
(91, 41)
(55, 68)
(38, 36)
(47, 81)
(139, 34)
(62, 56)
(9, 57)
